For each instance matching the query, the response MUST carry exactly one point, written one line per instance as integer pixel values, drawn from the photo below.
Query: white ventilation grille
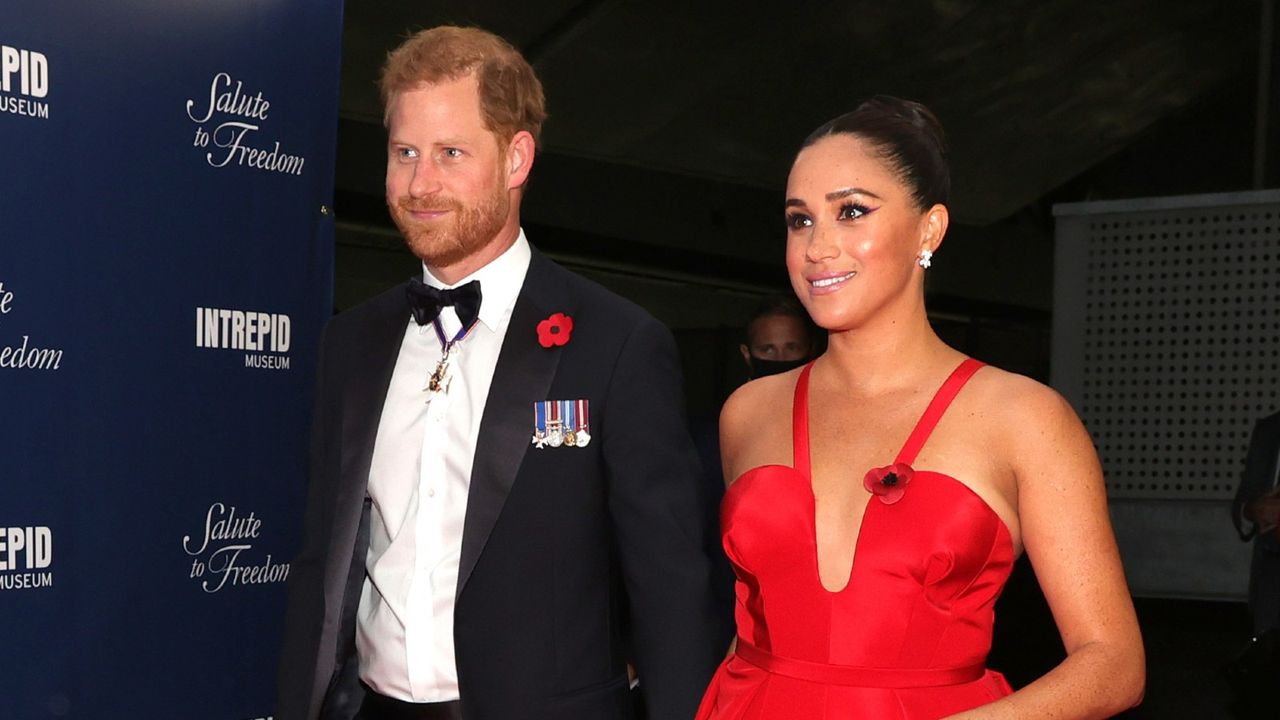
(1177, 351)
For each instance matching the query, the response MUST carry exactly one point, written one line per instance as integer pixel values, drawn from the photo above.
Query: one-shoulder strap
(800, 423)
(937, 407)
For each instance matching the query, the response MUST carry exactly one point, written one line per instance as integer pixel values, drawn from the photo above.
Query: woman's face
(853, 232)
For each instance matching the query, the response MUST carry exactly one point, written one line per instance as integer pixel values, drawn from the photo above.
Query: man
(494, 493)
(1256, 512)
(779, 337)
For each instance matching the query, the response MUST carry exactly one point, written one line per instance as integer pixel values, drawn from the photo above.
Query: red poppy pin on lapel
(555, 330)
(888, 483)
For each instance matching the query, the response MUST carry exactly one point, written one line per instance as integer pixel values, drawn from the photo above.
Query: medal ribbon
(438, 377)
(447, 345)
(540, 417)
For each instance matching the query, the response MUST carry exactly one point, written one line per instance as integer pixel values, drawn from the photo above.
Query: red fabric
(926, 573)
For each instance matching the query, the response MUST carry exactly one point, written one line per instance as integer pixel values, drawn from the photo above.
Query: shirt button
(431, 492)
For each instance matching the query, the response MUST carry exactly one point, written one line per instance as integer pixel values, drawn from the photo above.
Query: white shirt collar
(500, 282)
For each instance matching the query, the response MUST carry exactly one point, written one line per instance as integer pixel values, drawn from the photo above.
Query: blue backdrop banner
(166, 251)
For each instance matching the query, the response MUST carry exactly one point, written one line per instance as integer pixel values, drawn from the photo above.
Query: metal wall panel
(1167, 342)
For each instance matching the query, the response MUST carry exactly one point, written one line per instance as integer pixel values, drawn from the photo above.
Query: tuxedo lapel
(522, 376)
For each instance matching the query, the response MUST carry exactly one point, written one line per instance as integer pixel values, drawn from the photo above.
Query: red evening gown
(907, 637)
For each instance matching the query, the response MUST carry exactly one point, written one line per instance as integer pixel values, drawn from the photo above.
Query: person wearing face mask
(879, 496)
(779, 337)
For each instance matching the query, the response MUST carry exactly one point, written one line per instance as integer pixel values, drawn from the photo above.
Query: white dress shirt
(418, 480)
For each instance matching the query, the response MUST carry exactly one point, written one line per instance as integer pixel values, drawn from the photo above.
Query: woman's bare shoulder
(1026, 416)
(765, 395)
(1016, 398)
(759, 406)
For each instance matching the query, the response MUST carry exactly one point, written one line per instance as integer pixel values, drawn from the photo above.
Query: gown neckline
(802, 467)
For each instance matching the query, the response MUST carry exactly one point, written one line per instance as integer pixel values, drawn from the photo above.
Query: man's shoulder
(388, 303)
(592, 298)
(374, 322)
(1269, 424)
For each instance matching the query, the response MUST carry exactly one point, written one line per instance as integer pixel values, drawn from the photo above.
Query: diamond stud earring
(926, 258)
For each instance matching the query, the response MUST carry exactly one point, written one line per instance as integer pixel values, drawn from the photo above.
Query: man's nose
(425, 180)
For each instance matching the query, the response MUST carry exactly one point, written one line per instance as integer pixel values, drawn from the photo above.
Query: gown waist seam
(857, 676)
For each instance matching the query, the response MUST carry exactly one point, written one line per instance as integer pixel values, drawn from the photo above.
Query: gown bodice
(907, 636)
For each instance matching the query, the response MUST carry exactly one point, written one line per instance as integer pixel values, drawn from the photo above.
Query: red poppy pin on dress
(889, 483)
(555, 330)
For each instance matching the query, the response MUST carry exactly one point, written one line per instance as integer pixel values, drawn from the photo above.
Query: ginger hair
(511, 97)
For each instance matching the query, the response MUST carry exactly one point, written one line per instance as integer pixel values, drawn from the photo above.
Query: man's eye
(407, 153)
(452, 153)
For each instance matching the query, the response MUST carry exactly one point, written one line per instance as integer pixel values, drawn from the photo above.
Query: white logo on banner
(25, 555)
(239, 118)
(24, 81)
(25, 356)
(258, 332)
(220, 557)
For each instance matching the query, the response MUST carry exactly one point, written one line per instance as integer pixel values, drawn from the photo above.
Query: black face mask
(761, 367)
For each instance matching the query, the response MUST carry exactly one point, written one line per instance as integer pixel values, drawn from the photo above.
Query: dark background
(673, 125)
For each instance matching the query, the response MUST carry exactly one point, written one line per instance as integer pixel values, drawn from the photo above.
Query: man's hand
(1265, 511)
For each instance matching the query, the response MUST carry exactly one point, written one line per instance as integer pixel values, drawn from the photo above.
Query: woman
(880, 495)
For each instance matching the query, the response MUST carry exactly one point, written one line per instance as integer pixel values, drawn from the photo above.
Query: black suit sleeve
(656, 505)
(1256, 481)
(299, 652)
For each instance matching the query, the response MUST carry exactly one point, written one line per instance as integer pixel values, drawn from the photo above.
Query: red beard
(450, 239)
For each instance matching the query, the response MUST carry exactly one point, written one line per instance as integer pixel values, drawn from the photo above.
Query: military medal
(441, 377)
(560, 423)
(555, 426)
(581, 433)
(571, 427)
(540, 425)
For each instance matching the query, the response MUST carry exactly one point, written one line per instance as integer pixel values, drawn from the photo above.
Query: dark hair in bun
(907, 135)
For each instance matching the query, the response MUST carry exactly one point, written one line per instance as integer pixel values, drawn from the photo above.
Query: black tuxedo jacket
(574, 560)
(1259, 474)
(1257, 480)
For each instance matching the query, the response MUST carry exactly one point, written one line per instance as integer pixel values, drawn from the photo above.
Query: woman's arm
(1066, 530)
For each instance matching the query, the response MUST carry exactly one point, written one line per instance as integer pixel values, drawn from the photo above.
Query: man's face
(447, 175)
(778, 337)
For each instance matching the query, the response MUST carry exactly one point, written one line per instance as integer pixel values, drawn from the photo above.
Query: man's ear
(520, 152)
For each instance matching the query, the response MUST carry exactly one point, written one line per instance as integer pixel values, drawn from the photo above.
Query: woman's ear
(935, 227)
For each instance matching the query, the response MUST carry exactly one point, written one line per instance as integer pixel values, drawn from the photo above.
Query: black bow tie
(425, 301)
